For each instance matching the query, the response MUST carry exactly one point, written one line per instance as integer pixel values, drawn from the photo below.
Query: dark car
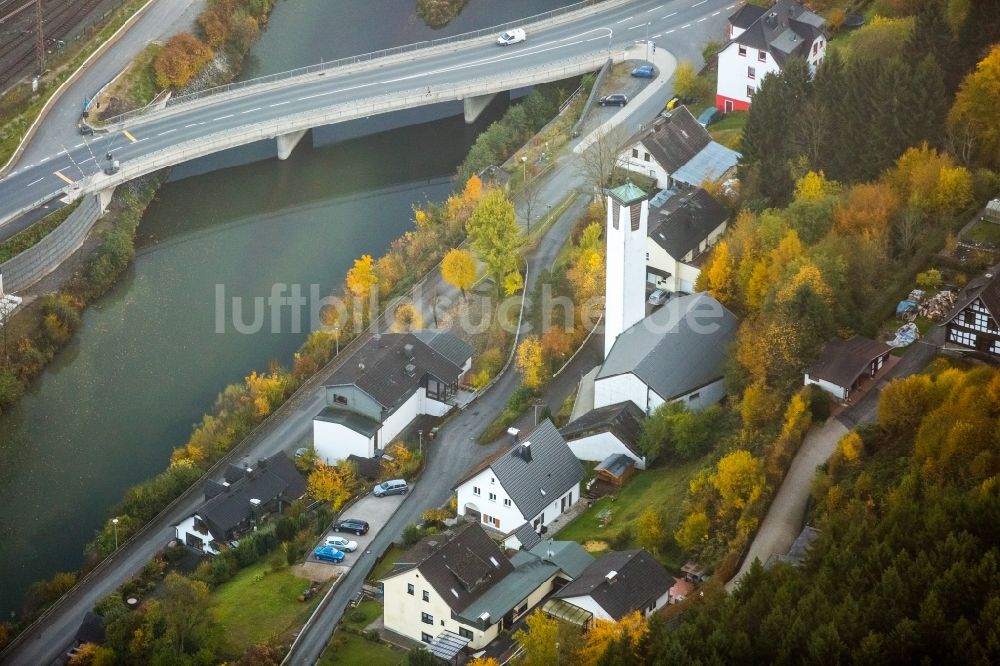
(613, 100)
(644, 72)
(352, 525)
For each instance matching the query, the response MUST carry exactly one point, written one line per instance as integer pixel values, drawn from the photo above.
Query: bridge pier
(104, 198)
(474, 106)
(287, 143)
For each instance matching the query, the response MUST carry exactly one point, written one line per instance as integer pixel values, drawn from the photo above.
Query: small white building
(612, 587)
(607, 431)
(533, 482)
(678, 353)
(377, 392)
(844, 364)
(677, 151)
(681, 232)
(466, 590)
(760, 41)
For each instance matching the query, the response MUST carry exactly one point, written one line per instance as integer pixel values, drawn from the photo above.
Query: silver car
(658, 297)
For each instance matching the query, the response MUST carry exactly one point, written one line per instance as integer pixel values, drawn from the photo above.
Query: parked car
(328, 553)
(393, 487)
(340, 543)
(613, 100)
(352, 525)
(709, 116)
(509, 37)
(658, 297)
(644, 72)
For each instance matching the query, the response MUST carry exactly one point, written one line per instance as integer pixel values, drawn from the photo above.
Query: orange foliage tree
(181, 58)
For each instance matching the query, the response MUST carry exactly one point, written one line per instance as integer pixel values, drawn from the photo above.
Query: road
(187, 128)
(784, 517)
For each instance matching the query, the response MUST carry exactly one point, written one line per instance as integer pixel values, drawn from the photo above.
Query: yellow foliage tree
(459, 269)
(720, 274)
(473, 189)
(866, 207)
(739, 478)
(330, 484)
(361, 278)
(181, 58)
(408, 318)
(484, 661)
(693, 531)
(513, 283)
(629, 630)
(651, 531)
(813, 187)
(953, 191)
(851, 447)
(539, 640)
(973, 116)
(400, 464)
(531, 362)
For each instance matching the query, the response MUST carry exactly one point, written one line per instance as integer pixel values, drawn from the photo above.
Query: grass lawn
(392, 555)
(664, 487)
(985, 233)
(729, 130)
(345, 648)
(363, 615)
(258, 605)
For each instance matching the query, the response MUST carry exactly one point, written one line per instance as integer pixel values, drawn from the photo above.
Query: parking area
(375, 511)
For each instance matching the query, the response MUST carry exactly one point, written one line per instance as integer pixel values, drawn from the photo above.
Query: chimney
(526, 451)
(610, 576)
(549, 553)
(411, 369)
(408, 350)
(484, 619)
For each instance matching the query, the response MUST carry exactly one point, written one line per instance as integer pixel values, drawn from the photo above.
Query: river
(148, 362)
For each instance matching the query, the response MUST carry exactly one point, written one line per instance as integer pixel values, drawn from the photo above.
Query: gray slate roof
(449, 345)
(527, 535)
(567, 555)
(677, 349)
(986, 288)
(534, 481)
(673, 139)
(842, 361)
(788, 28)
(359, 423)
(639, 581)
(623, 419)
(379, 367)
(685, 221)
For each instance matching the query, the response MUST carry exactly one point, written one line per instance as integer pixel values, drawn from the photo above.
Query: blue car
(644, 72)
(328, 553)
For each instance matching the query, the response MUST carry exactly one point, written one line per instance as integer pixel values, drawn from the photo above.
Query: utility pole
(39, 37)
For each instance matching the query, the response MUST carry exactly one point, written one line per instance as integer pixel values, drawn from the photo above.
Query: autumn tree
(182, 57)
(623, 637)
(494, 234)
(557, 343)
(531, 362)
(92, 654)
(407, 318)
(397, 462)
(539, 639)
(361, 277)
(972, 120)
(458, 268)
(328, 483)
(739, 479)
(187, 610)
(651, 532)
(484, 661)
(694, 531)
(600, 163)
(586, 267)
(687, 83)
(513, 282)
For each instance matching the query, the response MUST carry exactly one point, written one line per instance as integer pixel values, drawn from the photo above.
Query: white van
(393, 487)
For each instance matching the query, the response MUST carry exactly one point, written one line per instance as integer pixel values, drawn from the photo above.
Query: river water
(148, 361)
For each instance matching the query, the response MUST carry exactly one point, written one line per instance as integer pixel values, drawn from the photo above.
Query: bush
(182, 57)
(357, 616)
(411, 534)
(437, 13)
(622, 538)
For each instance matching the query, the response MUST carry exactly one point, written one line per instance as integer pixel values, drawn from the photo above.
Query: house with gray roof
(761, 40)
(677, 152)
(675, 354)
(240, 501)
(606, 431)
(682, 230)
(612, 587)
(467, 590)
(378, 391)
(973, 325)
(533, 482)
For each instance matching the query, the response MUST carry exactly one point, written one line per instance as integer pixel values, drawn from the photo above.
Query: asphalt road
(187, 124)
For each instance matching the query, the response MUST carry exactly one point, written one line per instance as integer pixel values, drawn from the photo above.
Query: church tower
(625, 290)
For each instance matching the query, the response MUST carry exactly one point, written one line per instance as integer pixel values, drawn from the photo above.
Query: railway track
(17, 33)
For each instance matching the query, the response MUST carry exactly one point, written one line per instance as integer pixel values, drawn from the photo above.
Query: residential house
(466, 591)
(614, 586)
(678, 353)
(681, 232)
(534, 482)
(972, 324)
(843, 364)
(761, 40)
(382, 387)
(237, 504)
(605, 431)
(677, 151)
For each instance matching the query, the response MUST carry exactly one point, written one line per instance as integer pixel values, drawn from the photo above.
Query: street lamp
(647, 41)
(524, 169)
(114, 521)
(336, 335)
(420, 434)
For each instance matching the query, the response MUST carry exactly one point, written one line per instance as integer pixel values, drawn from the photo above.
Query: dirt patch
(316, 572)
(594, 546)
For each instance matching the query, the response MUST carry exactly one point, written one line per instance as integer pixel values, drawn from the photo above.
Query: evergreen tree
(933, 36)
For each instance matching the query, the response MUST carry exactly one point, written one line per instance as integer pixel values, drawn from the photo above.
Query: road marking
(191, 125)
(685, 26)
(701, 19)
(669, 15)
(35, 181)
(271, 106)
(655, 36)
(167, 131)
(250, 111)
(322, 94)
(716, 13)
(623, 20)
(668, 32)
(641, 25)
(730, 6)
(652, 10)
(129, 136)
(80, 145)
(223, 117)
(88, 159)
(63, 177)
(699, 3)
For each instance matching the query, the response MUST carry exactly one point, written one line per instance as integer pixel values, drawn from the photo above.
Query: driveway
(376, 511)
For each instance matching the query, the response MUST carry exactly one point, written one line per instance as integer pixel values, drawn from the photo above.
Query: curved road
(438, 70)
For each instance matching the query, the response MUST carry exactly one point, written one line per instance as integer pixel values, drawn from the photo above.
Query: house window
(694, 396)
(426, 638)
(962, 337)
(492, 480)
(749, 91)
(506, 501)
(751, 73)
(409, 588)
(635, 152)
(475, 491)
(427, 595)
(493, 497)
(645, 157)
(199, 526)
(342, 399)
(761, 56)
(743, 51)
(464, 633)
(427, 618)
(491, 520)
(815, 47)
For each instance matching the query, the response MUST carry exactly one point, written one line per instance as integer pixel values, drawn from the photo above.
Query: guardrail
(322, 68)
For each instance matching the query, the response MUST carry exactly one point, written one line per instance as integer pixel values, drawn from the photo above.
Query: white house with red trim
(760, 41)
